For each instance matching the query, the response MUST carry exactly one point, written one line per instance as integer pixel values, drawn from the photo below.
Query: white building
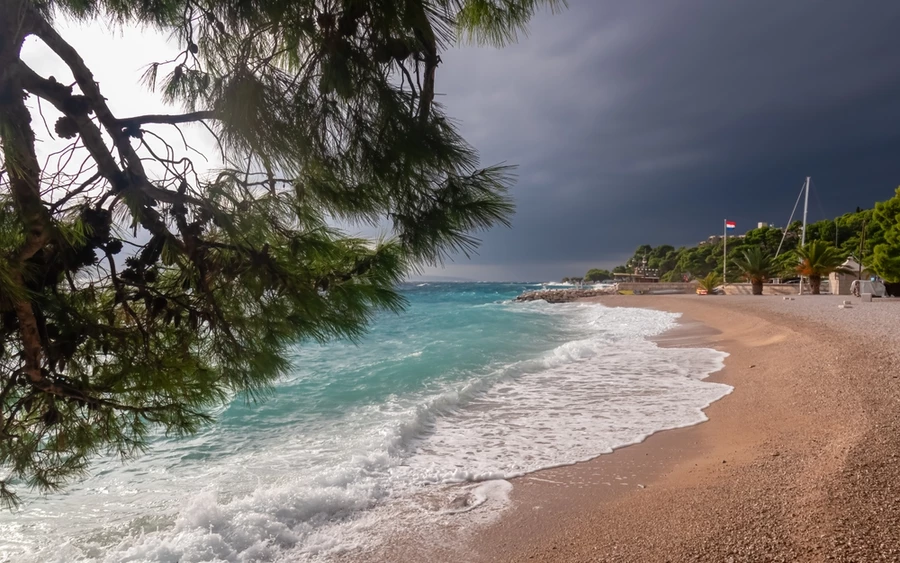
(840, 283)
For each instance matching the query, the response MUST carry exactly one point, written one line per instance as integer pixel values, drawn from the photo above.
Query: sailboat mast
(790, 220)
(805, 209)
(803, 232)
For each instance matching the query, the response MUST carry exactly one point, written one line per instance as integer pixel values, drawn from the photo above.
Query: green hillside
(879, 251)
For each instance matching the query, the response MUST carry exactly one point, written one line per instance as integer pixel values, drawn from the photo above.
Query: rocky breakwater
(563, 295)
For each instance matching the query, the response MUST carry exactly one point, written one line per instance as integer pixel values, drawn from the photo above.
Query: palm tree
(755, 266)
(710, 282)
(819, 259)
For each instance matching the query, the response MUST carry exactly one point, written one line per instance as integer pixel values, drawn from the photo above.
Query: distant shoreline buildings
(640, 273)
(716, 239)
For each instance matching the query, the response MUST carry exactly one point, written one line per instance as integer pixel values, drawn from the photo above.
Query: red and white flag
(729, 224)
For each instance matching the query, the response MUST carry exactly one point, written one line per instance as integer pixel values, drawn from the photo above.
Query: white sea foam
(384, 469)
(584, 398)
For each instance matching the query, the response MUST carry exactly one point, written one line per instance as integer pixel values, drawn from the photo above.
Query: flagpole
(725, 252)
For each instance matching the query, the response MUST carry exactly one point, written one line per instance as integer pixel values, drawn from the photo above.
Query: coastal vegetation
(139, 291)
(710, 281)
(818, 259)
(756, 267)
(872, 236)
(597, 275)
(886, 254)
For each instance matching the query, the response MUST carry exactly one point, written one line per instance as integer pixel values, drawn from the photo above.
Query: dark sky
(642, 121)
(651, 122)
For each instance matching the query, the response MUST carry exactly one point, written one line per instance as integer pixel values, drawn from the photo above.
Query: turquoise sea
(429, 415)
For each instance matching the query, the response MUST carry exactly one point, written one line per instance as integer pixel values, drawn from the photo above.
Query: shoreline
(800, 462)
(608, 478)
(457, 537)
(785, 469)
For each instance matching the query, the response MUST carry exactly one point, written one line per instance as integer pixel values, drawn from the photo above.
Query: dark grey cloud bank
(650, 122)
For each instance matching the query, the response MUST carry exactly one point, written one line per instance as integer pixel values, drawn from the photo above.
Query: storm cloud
(651, 122)
(639, 122)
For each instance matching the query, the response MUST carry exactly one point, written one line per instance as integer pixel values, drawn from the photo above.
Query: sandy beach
(800, 463)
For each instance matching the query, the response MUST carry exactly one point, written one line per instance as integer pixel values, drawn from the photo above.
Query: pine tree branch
(68, 391)
(72, 193)
(425, 34)
(89, 87)
(136, 176)
(91, 136)
(168, 119)
(61, 97)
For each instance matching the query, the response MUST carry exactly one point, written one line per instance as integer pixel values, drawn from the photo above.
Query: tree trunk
(815, 284)
(428, 41)
(757, 286)
(24, 173)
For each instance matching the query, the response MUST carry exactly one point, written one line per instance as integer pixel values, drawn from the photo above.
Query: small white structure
(840, 283)
(866, 288)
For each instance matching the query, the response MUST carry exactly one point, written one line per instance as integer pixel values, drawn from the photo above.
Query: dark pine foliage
(138, 292)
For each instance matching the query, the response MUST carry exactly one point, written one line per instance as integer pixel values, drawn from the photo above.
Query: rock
(563, 295)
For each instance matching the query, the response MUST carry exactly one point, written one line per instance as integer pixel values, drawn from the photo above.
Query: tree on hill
(756, 267)
(818, 259)
(138, 291)
(597, 275)
(885, 260)
(643, 250)
(766, 238)
(698, 261)
(664, 258)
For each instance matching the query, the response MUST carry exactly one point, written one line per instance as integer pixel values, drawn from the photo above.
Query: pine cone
(66, 127)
